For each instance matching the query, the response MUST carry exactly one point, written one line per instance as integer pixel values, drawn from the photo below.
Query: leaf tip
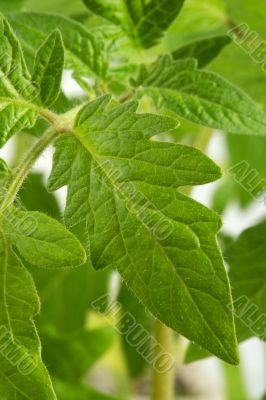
(57, 37)
(233, 357)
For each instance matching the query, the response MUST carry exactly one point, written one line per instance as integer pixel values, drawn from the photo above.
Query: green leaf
(83, 50)
(163, 71)
(76, 159)
(16, 89)
(144, 22)
(41, 240)
(124, 186)
(23, 375)
(202, 97)
(246, 258)
(48, 68)
(204, 50)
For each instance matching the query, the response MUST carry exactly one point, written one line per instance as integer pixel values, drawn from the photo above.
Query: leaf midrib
(92, 153)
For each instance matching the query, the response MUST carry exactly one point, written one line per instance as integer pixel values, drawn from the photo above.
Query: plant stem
(22, 143)
(48, 115)
(234, 385)
(163, 382)
(25, 166)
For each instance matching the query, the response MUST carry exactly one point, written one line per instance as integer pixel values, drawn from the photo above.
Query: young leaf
(202, 97)
(83, 50)
(16, 89)
(144, 22)
(41, 240)
(164, 71)
(124, 185)
(23, 375)
(48, 68)
(204, 51)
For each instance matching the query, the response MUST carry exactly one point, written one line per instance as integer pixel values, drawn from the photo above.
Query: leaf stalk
(163, 381)
(23, 169)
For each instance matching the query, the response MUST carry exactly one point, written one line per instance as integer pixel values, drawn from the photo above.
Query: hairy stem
(23, 169)
(48, 115)
(163, 381)
(60, 124)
